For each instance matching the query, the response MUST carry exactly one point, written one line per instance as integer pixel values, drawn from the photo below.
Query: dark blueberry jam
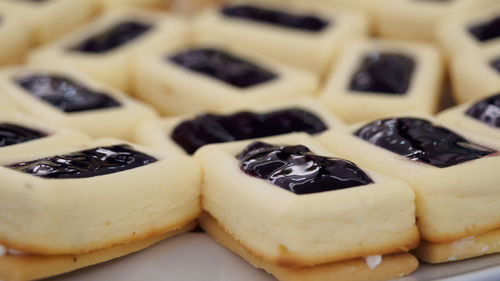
(383, 73)
(420, 140)
(64, 93)
(297, 169)
(113, 38)
(87, 163)
(223, 66)
(11, 134)
(210, 128)
(486, 30)
(487, 111)
(310, 23)
(496, 64)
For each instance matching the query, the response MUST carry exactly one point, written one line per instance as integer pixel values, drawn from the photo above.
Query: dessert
(441, 165)
(298, 204)
(71, 99)
(91, 202)
(203, 77)
(45, 17)
(188, 133)
(373, 78)
(107, 47)
(304, 36)
(481, 117)
(15, 38)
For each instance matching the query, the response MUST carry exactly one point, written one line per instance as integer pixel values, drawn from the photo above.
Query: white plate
(196, 257)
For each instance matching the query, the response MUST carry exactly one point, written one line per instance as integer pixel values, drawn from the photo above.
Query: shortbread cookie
(17, 266)
(474, 76)
(480, 117)
(378, 77)
(304, 36)
(49, 18)
(299, 207)
(69, 98)
(197, 78)
(15, 35)
(188, 133)
(451, 171)
(20, 135)
(107, 47)
(471, 32)
(98, 193)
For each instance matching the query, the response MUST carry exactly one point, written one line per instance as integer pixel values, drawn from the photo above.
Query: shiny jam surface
(87, 163)
(310, 23)
(420, 140)
(64, 93)
(297, 169)
(487, 111)
(487, 30)
(211, 128)
(383, 73)
(496, 64)
(11, 134)
(223, 66)
(113, 38)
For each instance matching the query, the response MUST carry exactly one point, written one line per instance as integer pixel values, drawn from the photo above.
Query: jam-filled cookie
(373, 78)
(473, 31)
(451, 172)
(480, 117)
(287, 206)
(49, 19)
(205, 77)
(15, 35)
(107, 47)
(305, 36)
(90, 202)
(72, 99)
(475, 76)
(188, 133)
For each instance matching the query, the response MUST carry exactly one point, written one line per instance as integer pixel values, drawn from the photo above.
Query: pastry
(107, 47)
(441, 165)
(45, 16)
(198, 78)
(15, 37)
(304, 36)
(77, 200)
(290, 208)
(69, 98)
(481, 117)
(378, 77)
(188, 133)
(475, 76)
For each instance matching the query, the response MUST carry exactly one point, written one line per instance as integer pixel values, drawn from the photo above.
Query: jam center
(11, 134)
(487, 111)
(487, 30)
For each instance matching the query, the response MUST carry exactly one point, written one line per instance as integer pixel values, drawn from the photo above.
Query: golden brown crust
(32, 267)
(392, 266)
(467, 247)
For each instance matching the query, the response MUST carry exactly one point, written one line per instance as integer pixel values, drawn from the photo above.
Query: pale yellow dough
(113, 4)
(117, 122)
(304, 230)
(156, 133)
(352, 106)
(114, 67)
(314, 51)
(77, 216)
(174, 90)
(15, 35)
(452, 203)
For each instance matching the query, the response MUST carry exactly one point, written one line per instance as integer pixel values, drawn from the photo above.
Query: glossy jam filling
(113, 38)
(496, 64)
(64, 93)
(487, 111)
(11, 134)
(297, 169)
(223, 66)
(87, 163)
(210, 128)
(420, 140)
(305, 22)
(384, 73)
(487, 30)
